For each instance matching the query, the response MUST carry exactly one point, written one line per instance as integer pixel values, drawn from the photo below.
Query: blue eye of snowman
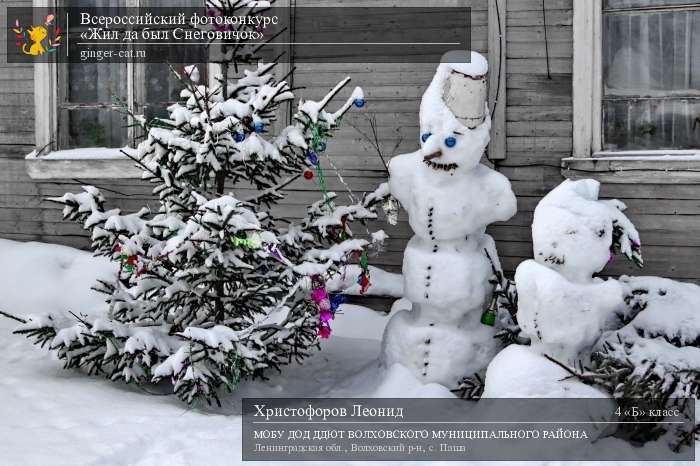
(425, 136)
(450, 141)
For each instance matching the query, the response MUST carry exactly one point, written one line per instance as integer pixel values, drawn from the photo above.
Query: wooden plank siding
(538, 113)
(16, 140)
(538, 134)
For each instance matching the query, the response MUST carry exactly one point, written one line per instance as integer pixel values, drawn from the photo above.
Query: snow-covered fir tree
(212, 287)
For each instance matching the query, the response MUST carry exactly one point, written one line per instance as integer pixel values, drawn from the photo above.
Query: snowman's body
(448, 212)
(458, 203)
(435, 349)
(450, 199)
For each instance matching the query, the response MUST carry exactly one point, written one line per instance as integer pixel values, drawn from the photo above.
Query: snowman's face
(575, 245)
(454, 145)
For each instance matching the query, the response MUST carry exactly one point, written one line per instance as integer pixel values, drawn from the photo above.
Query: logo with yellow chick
(35, 40)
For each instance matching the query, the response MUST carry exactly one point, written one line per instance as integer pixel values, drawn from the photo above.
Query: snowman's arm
(505, 202)
(380, 194)
(488, 245)
(400, 178)
(499, 203)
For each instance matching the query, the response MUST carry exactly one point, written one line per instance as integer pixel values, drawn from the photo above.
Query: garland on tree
(213, 288)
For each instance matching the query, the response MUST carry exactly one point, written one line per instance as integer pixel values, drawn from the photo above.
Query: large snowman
(450, 199)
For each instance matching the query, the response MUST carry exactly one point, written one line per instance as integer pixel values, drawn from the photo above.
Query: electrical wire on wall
(498, 76)
(546, 41)
(500, 61)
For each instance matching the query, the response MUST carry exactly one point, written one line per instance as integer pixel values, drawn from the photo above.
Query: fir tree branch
(102, 188)
(588, 379)
(326, 100)
(269, 191)
(140, 164)
(273, 37)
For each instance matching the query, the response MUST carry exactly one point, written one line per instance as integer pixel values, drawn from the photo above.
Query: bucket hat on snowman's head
(454, 115)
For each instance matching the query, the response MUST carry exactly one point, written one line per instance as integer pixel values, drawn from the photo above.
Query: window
(83, 110)
(93, 100)
(87, 105)
(636, 97)
(651, 75)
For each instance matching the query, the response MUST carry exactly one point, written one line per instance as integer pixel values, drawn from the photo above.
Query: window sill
(648, 167)
(90, 163)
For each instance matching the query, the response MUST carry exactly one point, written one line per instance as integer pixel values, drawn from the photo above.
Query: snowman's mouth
(428, 160)
(448, 167)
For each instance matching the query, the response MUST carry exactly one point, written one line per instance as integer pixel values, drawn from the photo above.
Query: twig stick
(587, 379)
(10, 316)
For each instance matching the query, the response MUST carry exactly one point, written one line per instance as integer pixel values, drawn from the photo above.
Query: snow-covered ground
(57, 417)
(52, 416)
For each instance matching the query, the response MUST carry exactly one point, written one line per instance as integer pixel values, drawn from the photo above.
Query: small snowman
(450, 199)
(562, 307)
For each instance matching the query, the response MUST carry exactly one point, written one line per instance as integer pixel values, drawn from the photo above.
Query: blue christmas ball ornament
(359, 103)
(337, 300)
(321, 146)
(238, 137)
(259, 127)
(425, 136)
(450, 141)
(313, 157)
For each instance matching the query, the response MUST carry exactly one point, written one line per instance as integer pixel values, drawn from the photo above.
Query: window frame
(46, 91)
(588, 158)
(61, 163)
(587, 78)
(48, 160)
(134, 95)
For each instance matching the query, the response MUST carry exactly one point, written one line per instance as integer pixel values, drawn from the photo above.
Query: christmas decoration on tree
(489, 315)
(212, 288)
(363, 278)
(326, 304)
